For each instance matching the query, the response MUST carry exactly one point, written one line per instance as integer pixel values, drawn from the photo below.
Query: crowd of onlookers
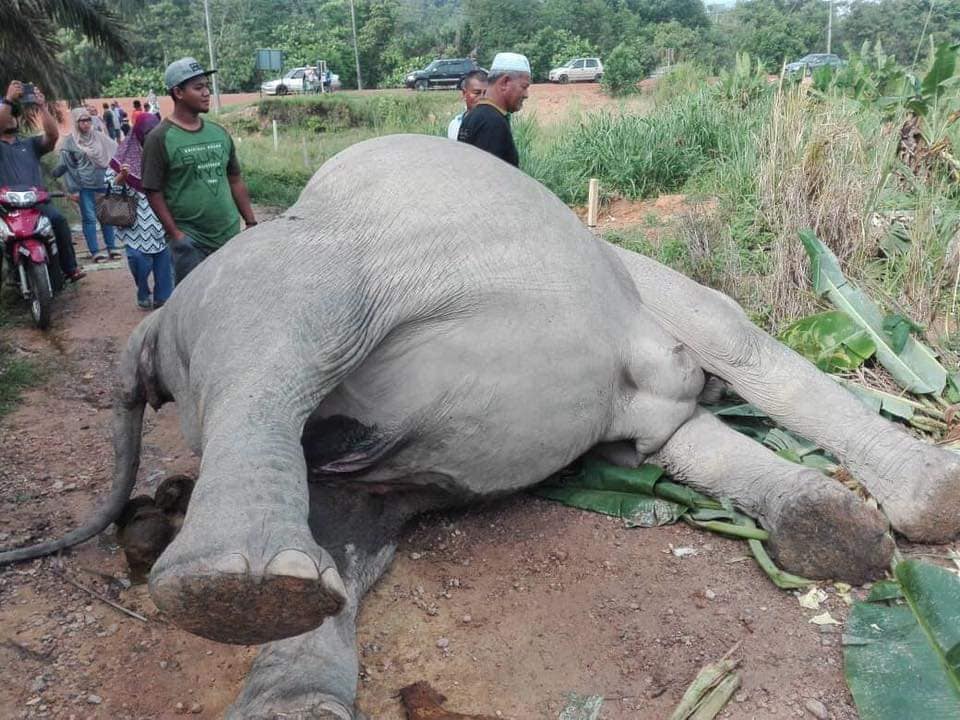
(179, 179)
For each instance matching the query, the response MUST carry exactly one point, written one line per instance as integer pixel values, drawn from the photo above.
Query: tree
(897, 25)
(777, 30)
(493, 26)
(550, 48)
(30, 42)
(627, 64)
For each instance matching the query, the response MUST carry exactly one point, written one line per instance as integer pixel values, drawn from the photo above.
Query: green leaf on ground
(899, 328)
(903, 661)
(621, 492)
(878, 400)
(831, 340)
(637, 510)
(915, 368)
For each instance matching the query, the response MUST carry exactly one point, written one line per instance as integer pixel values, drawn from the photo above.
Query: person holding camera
(20, 160)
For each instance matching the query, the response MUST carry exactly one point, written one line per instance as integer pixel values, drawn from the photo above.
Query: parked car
(809, 63)
(590, 69)
(446, 72)
(292, 82)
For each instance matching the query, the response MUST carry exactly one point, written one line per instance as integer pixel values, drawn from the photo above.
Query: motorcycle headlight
(44, 227)
(22, 198)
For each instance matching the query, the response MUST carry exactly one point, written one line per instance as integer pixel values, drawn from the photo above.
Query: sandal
(99, 258)
(116, 255)
(77, 274)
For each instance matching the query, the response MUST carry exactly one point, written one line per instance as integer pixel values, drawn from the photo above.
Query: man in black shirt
(487, 126)
(20, 165)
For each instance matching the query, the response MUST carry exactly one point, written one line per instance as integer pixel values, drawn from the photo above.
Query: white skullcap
(507, 62)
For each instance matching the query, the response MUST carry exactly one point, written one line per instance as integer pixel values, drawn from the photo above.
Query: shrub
(627, 64)
(134, 82)
(680, 80)
(746, 82)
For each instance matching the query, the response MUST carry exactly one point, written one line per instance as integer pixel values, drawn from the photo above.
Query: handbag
(117, 210)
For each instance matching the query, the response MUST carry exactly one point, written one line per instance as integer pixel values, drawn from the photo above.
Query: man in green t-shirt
(190, 172)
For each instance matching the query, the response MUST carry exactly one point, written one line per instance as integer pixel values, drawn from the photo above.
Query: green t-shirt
(191, 167)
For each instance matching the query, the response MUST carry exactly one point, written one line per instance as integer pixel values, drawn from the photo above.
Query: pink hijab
(130, 152)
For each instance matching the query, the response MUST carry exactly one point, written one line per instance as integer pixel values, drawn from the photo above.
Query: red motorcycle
(30, 249)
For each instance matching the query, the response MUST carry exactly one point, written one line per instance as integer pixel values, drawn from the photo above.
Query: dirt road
(505, 609)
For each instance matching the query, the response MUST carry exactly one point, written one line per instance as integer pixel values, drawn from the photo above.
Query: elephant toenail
(233, 564)
(333, 583)
(293, 563)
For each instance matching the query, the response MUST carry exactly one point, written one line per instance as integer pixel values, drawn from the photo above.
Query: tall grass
(636, 157)
(815, 171)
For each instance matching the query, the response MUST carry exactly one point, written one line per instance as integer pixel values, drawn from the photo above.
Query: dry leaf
(824, 619)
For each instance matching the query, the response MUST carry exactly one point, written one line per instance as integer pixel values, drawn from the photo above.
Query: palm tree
(30, 40)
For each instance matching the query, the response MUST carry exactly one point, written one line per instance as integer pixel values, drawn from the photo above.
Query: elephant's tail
(137, 386)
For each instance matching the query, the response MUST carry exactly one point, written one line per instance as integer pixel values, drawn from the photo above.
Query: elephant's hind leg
(817, 527)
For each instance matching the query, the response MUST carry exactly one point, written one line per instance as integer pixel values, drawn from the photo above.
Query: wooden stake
(593, 202)
(276, 141)
(306, 157)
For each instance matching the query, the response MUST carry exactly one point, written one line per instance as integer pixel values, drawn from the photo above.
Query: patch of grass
(16, 375)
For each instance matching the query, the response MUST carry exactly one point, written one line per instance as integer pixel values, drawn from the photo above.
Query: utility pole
(356, 52)
(830, 28)
(216, 88)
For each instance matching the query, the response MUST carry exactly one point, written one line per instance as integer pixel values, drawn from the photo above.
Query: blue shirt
(20, 161)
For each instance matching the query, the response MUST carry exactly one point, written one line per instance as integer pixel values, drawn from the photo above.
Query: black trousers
(186, 256)
(61, 233)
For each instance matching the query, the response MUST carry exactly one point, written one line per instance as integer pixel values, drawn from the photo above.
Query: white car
(292, 82)
(589, 69)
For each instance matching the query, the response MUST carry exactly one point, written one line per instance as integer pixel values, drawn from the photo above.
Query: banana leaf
(625, 493)
(830, 340)
(899, 328)
(915, 368)
(635, 509)
(902, 660)
(877, 400)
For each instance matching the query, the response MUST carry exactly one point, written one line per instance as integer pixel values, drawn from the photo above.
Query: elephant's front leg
(917, 484)
(314, 676)
(817, 527)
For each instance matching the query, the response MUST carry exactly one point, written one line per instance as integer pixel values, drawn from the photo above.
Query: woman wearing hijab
(84, 156)
(147, 251)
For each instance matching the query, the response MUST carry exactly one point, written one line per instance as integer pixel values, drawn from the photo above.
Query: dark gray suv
(447, 72)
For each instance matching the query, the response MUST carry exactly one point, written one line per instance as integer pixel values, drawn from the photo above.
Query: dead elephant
(372, 353)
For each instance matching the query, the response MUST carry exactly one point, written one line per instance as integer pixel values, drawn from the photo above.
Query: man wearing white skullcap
(487, 126)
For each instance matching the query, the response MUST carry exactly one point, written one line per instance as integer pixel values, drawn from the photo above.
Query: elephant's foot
(246, 583)
(314, 706)
(919, 490)
(819, 529)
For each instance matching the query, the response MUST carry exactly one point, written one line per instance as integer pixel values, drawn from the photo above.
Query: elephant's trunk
(127, 428)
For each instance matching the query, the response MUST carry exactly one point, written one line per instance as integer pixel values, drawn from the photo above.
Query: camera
(29, 96)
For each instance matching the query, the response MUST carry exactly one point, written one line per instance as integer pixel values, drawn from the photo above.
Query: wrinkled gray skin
(428, 326)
